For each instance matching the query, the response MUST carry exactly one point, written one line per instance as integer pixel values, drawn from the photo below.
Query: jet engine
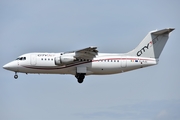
(62, 60)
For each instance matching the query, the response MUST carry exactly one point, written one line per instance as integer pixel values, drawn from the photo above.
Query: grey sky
(113, 26)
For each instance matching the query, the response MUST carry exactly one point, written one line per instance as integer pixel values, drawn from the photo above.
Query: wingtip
(171, 29)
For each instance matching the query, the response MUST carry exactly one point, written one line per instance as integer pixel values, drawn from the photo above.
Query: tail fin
(152, 45)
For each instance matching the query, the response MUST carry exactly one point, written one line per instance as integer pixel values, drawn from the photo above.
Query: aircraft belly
(105, 68)
(47, 70)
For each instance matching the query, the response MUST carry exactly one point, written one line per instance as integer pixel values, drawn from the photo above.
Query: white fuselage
(44, 63)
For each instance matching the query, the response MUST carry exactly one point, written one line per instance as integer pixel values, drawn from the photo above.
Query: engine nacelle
(62, 60)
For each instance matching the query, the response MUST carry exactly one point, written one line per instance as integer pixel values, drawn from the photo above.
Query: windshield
(21, 58)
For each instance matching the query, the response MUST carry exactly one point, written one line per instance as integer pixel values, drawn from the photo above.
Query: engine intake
(62, 60)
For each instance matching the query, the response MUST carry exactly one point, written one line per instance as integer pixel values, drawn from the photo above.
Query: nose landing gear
(15, 76)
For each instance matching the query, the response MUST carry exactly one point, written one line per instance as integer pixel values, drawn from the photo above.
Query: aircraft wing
(86, 53)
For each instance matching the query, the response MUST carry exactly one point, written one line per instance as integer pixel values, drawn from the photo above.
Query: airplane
(89, 61)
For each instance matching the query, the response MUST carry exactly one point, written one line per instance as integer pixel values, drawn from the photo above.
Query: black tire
(80, 80)
(80, 77)
(15, 76)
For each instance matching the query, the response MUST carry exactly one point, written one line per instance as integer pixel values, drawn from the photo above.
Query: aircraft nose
(11, 66)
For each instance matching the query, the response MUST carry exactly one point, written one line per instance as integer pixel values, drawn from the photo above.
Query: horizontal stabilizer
(163, 31)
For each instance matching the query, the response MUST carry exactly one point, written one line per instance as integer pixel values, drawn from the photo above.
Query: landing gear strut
(15, 76)
(80, 77)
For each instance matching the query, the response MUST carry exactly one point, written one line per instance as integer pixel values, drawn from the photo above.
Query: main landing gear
(80, 77)
(15, 76)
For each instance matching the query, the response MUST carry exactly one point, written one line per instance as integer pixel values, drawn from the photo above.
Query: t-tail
(152, 45)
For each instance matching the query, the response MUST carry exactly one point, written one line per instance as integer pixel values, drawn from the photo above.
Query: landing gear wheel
(15, 76)
(80, 80)
(80, 77)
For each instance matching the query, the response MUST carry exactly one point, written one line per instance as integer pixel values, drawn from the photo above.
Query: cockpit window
(21, 58)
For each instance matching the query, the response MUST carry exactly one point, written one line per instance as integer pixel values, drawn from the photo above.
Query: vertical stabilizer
(152, 45)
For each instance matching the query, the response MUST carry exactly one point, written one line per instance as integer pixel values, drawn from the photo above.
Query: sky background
(114, 26)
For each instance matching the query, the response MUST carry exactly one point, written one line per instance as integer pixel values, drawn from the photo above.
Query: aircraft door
(123, 62)
(33, 60)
